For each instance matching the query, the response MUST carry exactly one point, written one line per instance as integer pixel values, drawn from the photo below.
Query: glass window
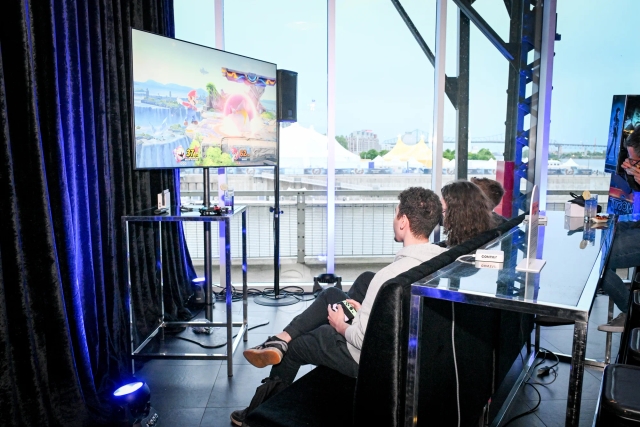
(589, 68)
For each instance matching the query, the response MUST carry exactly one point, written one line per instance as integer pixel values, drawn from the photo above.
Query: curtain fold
(66, 179)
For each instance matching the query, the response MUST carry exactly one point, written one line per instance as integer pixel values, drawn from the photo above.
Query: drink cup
(590, 208)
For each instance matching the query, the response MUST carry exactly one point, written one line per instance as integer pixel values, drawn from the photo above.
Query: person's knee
(332, 294)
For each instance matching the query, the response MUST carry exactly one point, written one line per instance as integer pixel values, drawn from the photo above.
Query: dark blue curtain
(66, 179)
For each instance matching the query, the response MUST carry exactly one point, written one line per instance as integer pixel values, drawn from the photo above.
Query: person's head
(491, 188)
(467, 211)
(632, 144)
(417, 215)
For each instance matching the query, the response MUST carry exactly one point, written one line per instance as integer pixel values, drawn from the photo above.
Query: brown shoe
(268, 353)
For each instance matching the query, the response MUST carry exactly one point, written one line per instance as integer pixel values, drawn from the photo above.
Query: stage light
(198, 289)
(134, 401)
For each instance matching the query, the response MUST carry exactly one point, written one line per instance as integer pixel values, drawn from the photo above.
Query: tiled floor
(192, 393)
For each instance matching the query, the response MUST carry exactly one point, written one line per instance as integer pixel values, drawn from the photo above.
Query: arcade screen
(624, 197)
(195, 106)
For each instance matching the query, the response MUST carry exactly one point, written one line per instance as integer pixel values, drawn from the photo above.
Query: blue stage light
(126, 389)
(134, 401)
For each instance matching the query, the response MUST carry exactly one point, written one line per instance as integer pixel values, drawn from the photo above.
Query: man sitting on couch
(320, 335)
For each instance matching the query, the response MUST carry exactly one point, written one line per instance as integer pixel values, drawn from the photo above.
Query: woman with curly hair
(467, 212)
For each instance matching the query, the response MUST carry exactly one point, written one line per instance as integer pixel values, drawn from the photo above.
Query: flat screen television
(197, 107)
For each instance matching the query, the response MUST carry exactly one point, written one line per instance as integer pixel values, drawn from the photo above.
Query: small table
(224, 222)
(565, 288)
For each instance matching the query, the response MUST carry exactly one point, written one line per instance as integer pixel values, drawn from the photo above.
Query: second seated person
(320, 335)
(467, 212)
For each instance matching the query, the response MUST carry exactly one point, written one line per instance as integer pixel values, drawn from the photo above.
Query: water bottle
(228, 198)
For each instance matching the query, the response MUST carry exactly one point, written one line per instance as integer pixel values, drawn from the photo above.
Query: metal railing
(303, 225)
(363, 224)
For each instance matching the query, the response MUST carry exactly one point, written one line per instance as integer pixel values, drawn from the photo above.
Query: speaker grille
(287, 83)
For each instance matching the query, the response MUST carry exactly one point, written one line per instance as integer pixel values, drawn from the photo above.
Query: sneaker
(269, 352)
(616, 325)
(237, 417)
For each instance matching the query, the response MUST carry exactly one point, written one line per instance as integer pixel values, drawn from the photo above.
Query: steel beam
(462, 101)
(450, 82)
(485, 28)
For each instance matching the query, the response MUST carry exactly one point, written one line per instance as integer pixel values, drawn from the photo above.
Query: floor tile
(183, 417)
(517, 408)
(217, 417)
(238, 390)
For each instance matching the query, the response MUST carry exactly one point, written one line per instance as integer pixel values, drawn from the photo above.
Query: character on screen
(239, 112)
(191, 108)
(614, 132)
(179, 153)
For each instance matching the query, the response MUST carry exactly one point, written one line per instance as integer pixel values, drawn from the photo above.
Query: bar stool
(550, 321)
(619, 404)
(633, 353)
(633, 322)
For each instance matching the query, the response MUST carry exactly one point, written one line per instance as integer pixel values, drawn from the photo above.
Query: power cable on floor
(218, 345)
(542, 372)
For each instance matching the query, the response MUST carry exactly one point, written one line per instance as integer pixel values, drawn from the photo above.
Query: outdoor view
(383, 113)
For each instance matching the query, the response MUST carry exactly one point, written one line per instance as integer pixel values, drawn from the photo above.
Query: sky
(165, 60)
(384, 82)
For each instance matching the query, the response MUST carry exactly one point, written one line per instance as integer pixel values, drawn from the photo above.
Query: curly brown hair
(491, 188)
(468, 212)
(422, 208)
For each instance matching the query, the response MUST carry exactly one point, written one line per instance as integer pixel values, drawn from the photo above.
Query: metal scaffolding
(527, 41)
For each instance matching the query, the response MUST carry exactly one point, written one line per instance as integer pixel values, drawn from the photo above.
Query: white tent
(569, 164)
(302, 147)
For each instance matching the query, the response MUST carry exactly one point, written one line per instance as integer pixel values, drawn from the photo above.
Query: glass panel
(589, 68)
(555, 246)
(293, 35)
(384, 97)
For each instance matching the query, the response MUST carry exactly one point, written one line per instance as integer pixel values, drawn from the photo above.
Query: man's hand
(355, 304)
(631, 170)
(336, 319)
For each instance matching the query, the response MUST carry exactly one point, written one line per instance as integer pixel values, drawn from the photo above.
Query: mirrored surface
(569, 246)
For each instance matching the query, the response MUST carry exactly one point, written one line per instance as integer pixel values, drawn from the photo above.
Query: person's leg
(316, 314)
(625, 253)
(613, 286)
(323, 346)
(274, 348)
(359, 288)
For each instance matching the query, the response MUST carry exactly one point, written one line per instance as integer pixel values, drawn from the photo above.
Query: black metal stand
(209, 301)
(276, 300)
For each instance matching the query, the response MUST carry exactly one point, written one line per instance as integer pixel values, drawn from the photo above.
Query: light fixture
(134, 402)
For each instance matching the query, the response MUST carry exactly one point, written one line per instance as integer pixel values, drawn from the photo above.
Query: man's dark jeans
(314, 341)
(625, 253)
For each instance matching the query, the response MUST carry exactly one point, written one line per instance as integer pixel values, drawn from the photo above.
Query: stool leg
(607, 352)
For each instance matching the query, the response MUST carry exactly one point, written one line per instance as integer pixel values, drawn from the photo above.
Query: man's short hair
(633, 140)
(491, 188)
(422, 208)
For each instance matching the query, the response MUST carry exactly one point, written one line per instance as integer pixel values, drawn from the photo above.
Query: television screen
(195, 106)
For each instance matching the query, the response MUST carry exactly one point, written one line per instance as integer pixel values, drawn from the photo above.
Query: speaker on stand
(286, 111)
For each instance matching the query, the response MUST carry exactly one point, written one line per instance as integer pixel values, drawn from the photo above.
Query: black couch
(485, 350)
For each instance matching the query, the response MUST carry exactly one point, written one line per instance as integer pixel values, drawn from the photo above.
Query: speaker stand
(275, 300)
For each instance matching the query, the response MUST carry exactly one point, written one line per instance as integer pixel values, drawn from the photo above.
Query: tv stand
(157, 349)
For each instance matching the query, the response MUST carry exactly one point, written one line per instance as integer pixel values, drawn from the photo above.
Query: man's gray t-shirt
(406, 258)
